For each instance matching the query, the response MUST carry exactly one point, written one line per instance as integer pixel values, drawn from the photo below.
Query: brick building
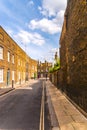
(43, 68)
(33, 68)
(15, 64)
(73, 45)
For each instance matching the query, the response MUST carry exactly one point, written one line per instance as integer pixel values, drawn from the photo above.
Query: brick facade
(19, 66)
(73, 45)
(43, 69)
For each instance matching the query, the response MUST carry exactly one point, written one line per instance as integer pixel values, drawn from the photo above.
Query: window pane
(1, 53)
(8, 56)
(1, 75)
(13, 75)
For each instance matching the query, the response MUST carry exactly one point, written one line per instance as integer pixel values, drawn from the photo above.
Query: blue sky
(34, 24)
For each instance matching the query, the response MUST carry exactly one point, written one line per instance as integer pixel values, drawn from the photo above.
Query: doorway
(8, 77)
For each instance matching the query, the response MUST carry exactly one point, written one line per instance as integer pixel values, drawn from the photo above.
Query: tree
(55, 67)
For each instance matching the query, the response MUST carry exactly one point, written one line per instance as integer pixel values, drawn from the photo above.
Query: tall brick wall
(73, 45)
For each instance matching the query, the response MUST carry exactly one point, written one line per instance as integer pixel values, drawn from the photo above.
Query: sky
(35, 25)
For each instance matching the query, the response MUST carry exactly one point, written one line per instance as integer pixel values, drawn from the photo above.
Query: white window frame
(1, 52)
(33, 67)
(1, 75)
(13, 75)
(8, 56)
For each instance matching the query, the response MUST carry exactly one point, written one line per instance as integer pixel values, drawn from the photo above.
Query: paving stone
(67, 127)
(69, 118)
(80, 126)
(55, 128)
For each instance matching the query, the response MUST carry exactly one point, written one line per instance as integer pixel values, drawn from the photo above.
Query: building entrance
(8, 77)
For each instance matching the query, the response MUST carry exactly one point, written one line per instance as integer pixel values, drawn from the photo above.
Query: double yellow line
(41, 126)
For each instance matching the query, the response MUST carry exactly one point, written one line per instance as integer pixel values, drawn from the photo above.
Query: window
(13, 59)
(13, 75)
(1, 75)
(33, 67)
(1, 52)
(8, 56)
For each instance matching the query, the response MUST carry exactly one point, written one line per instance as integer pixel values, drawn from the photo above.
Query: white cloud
(53, 51)
(27, 37)
(30, 3)
(49, 26)
(34, 52)
(52, 7)
(50, 55)
(59, 18)
(39, 8)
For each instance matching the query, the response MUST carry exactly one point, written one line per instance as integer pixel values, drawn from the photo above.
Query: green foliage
(56, 66)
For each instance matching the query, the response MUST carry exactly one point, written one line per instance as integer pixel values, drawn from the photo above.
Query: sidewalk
(6, 90)
(65, 115)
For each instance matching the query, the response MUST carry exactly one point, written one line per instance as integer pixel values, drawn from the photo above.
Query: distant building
(15, 64)
(43, 69)
(33, 68)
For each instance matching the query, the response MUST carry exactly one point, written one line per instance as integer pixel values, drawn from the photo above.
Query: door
(8, 77)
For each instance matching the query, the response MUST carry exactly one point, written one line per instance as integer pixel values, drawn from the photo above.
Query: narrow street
(20, 109)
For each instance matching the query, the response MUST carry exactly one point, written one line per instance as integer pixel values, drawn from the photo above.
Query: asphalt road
(20, 109)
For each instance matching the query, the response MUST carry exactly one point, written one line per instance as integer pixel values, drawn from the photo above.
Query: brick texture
(73, 42)
(23, 64)
(73, 52)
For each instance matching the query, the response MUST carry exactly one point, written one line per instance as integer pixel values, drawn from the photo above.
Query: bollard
(12, 83)
(20, 81)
